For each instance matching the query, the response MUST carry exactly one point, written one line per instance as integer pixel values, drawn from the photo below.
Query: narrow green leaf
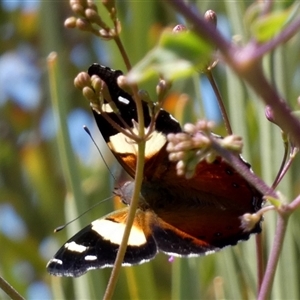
(266, 27)
(176, 56)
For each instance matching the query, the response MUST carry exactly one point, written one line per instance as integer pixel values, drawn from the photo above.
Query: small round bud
(162, 88)
(105, 34)
(92, 5)
(70, 22)
(180, 166)
(184, 145)
(211, 17)
(171, 137)
(179, 28)
(118, 27)
(52, 57)
(269, 114)
(77, 9)
(82, 80)
(123, 84)
(96, 83)
(89, 94)
(83, 24)
(233, 143)
(109, 4)
(181, 136)
(249, 221)
(93, 16)
(189, 128)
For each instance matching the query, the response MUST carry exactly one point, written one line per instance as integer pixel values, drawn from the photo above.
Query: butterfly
(176, 216)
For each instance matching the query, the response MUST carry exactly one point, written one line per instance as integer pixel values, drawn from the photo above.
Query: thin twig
(123, 52)
(274, 256)
(134, 202)
(247, 64)
(294, 204)
(286, 34)
(260, 260)
(282, 166)
(243, 170)
(220, 101)
(9, 290)
(287, 165)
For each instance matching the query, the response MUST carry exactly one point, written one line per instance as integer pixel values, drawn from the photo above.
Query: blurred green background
(38, 169)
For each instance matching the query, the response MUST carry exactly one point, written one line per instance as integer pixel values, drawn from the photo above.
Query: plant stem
(260, 260)
(134, 202)
(123, 52)
(294, 204)
(220, 101)
(274, 256)
(9, 290)
(247, 65)
(243, 170)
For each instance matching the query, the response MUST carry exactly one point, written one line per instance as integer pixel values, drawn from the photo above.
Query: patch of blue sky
(224, 27)
(26, 5)
(211, 107)
(48, 125)
(38, 290)
(48, 247)
(11, 224)
(20, 78)
(101, 50)
(80, 56)
(24, 271)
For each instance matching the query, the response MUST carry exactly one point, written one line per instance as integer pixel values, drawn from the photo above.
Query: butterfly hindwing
(96, 246)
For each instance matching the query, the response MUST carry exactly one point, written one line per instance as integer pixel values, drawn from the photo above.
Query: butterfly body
(175, 215)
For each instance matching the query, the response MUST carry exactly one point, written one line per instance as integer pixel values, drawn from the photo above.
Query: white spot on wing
(113, 232)
(123, 100)
(55, 260)
(90, 257)
(75, 247)
(171, 117)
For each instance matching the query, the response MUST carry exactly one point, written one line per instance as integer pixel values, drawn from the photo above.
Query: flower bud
(211, 17)
(82, 80)
(179, 28)
(70, 22)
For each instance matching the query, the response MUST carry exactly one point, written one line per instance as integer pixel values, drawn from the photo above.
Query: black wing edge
(91, 251)
(165, 123)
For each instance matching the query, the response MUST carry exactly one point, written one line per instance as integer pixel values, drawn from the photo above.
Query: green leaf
(266, 27)
(176, 56)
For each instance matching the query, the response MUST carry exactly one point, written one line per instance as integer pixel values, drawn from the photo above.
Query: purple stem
(243, 170)
(246, 62)
(274, 257)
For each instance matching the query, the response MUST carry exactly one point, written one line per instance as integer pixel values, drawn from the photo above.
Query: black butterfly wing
(124, 150)
(96, 245)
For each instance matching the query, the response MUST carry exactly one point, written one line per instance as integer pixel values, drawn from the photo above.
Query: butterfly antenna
(59, 228)
(89, 133)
